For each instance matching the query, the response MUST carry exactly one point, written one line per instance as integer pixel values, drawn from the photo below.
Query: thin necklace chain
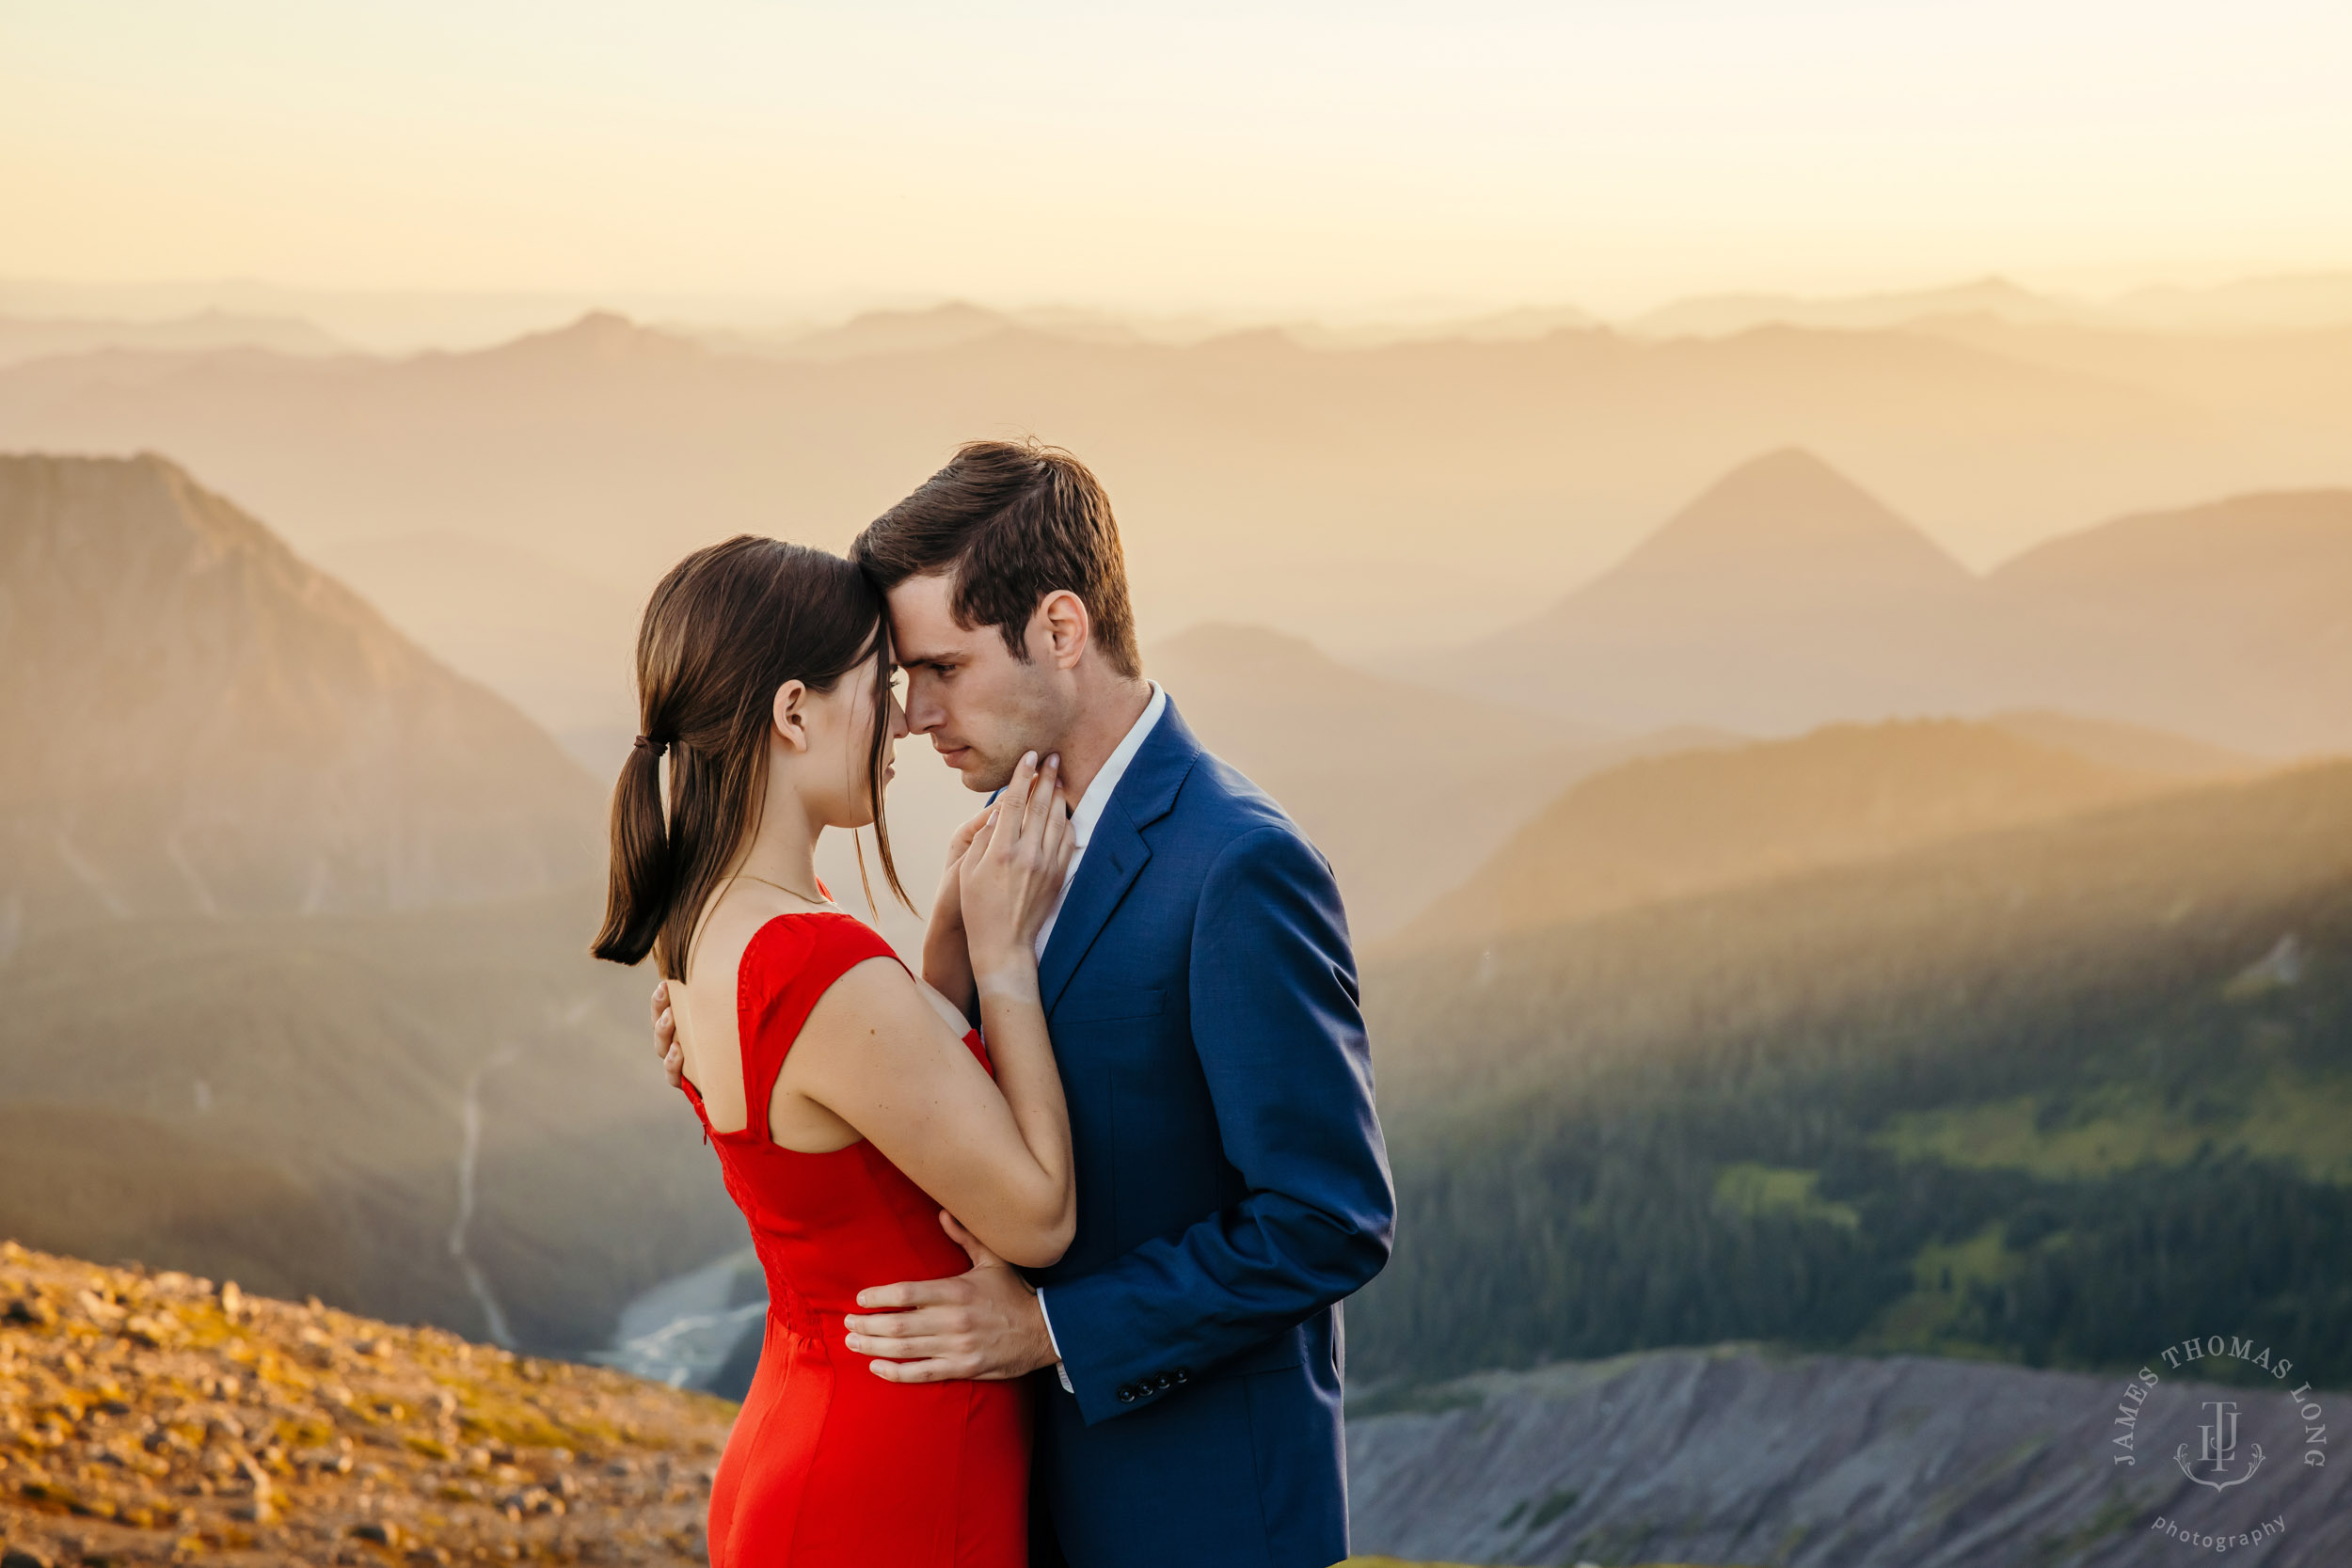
(820, 903)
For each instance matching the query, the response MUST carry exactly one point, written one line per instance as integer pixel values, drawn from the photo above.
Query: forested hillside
(2048, 1095)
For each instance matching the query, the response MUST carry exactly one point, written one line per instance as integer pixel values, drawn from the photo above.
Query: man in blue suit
(1232, 1184)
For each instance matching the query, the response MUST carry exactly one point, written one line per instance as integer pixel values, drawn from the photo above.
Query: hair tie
(645, 743)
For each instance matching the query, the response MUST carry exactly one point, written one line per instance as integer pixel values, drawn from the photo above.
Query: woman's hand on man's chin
(1011, 870)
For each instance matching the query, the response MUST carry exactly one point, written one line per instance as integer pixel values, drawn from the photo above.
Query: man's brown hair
(1010, 522)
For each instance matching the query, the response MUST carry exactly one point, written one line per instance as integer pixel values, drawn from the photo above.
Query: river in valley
(683, 1331)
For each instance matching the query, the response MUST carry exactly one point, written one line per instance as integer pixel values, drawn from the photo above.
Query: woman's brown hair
(723, 631)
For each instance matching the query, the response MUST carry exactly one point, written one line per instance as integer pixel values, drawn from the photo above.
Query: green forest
(2059, 1096)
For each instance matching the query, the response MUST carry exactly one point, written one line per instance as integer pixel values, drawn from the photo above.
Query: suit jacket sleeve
(1279, 1031)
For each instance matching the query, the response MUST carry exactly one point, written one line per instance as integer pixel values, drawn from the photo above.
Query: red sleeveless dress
(829, 1467)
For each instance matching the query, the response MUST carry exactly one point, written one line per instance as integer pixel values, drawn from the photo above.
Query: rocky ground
(1738, 1456)
(1400, 1562)
(156, 1416)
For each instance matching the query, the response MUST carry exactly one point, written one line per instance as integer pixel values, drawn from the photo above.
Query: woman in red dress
(850, 1106)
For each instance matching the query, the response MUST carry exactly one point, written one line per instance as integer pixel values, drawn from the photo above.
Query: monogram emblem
(2217, 1450)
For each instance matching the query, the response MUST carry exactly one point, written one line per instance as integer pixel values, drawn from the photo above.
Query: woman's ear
(790, 715)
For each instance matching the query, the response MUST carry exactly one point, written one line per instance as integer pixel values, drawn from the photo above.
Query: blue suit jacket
(1232, 1184)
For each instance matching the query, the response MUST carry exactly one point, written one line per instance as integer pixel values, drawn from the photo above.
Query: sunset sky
(1207, 155)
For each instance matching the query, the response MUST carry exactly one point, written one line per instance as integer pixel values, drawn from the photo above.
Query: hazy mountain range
(1693, 821)
(2280, 304)
(398, 320)
(1403, 496)
(1786, 597)
(41, 337)
(292, 923)
(209, 725)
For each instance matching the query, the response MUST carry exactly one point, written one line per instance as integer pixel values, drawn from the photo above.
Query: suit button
(1182, 1377)
(1127, 1393)
(1163, 1382)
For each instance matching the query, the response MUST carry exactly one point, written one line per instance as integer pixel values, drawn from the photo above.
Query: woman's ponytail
(722, 633)
(637, 891)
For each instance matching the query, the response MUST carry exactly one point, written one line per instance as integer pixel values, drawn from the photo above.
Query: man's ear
(789, 715)
(1061, 622)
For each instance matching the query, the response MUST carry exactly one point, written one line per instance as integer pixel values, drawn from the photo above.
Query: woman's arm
(995, 1153)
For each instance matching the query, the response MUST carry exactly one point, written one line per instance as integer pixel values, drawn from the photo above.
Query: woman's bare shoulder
(875, 1013)
(872, 992)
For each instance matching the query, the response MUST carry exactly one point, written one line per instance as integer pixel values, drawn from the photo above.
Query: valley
(290, 1097)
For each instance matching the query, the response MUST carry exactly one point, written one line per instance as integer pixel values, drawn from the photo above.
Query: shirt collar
(1091, 805)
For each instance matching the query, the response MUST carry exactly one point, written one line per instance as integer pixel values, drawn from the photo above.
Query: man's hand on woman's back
(665, 1036)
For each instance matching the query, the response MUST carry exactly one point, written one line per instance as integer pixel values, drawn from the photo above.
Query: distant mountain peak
(1788, 506)
(1783, 596)
(227, 730)
(926, 330)
(600, 336)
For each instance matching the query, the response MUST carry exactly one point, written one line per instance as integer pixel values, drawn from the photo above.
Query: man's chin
(985, 778)
(982, 775)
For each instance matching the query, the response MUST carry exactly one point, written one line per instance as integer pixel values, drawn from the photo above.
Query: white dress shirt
(1089, 811)
(1083, 817)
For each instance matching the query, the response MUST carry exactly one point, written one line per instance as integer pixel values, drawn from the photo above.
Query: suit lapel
(1116, 853)
(1114, 858)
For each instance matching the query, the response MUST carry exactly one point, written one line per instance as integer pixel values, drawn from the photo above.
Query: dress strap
(788, 966)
